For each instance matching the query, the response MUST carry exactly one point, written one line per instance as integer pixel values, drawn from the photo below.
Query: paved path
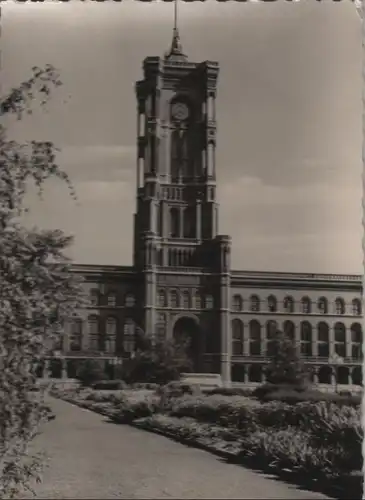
(91, 458)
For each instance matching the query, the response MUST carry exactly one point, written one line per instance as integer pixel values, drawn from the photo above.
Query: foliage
(229, 391)
(285, 366)
(294, 397)
(157, 363)
(37, 289)
(89, 371)
(109, 385)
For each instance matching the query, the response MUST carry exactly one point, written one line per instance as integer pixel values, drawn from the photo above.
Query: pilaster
(224, 247)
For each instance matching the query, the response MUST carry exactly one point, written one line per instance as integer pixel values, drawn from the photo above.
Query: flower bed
(318, 439)
(290, 453)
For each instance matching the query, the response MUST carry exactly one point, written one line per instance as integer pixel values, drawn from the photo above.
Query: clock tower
(176, 219)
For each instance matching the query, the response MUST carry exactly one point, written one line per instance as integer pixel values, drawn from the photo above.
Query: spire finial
(175, 51)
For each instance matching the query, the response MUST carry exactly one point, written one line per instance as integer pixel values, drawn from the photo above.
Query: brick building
(181, 281)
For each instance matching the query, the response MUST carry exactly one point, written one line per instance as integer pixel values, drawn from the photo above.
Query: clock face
(179, 111)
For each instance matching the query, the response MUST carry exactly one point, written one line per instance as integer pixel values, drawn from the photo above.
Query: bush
(109, 385)
(90, 371)
(229, 391)
(146, 385)
(268, 388)
(158, 363)
(293, 397)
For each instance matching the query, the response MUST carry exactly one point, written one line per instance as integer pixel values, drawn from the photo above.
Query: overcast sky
(289, 122)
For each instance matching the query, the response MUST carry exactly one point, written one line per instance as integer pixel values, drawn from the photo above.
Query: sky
(288, 122)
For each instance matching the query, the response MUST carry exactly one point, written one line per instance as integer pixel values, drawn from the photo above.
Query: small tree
(159, 362)
(38, 290)
(286, 367)
(90, 371)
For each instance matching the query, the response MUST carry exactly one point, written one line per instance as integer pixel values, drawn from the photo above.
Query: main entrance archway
(186, 331)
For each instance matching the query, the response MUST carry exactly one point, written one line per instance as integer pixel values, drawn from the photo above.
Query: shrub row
(326, 422)
(289, 448)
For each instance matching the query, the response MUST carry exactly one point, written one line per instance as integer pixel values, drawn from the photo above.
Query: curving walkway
(92, 458)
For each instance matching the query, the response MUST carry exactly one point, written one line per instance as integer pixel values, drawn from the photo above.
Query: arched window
(93, 324)
(161, 298)
(356, 307)
(272, 303)
(356, 333)
(186, 300)
(340, 339)
(254, 303)
(111, 334)
(339, 306)
(289, 304)
(111, 299)
(255, 338)
(181, 160)
(209, 302)
(323, 305)
(271, 329)
(198, 301)
(174, 299)
(130, 300)
(237, 337)
(129, 336)
(76, 334)
(94, 297)
(323, 340)
(289, 330)
(306, 305)
(305, 338)
(161, 326)
(174, 222)
(237, 303)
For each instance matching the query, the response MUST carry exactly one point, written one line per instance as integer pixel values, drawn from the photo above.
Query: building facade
(181, 283)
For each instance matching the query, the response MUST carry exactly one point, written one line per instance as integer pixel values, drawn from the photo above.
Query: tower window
(174, 223)
(189, 222)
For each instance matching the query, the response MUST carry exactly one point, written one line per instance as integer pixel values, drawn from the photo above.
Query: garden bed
(319, 440)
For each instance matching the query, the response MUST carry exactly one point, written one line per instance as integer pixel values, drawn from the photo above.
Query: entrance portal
(187, 333)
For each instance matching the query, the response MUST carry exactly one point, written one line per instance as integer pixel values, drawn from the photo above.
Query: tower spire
(175, 51)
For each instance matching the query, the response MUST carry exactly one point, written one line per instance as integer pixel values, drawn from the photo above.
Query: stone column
(315, 375)
(198, 220)
(245, 374)
(64, 368)
(331, 342)
(246, 341)
(46, 369)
